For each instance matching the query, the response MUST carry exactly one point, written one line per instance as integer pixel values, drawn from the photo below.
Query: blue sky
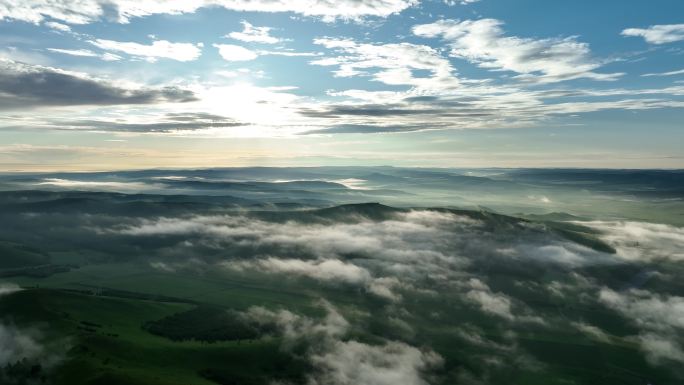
(488, 83)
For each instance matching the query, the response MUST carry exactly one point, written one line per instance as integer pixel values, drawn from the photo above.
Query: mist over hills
(615, 193)
(305, 275)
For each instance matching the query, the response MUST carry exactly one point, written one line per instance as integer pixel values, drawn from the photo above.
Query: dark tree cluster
(205, 323)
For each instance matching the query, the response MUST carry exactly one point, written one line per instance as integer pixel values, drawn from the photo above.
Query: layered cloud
(411, 245)
(25, 86)
(484, 43)
(122, 11)
(658, 34)
(171, 122)
(413, 252)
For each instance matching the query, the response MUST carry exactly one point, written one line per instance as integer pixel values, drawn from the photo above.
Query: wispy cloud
(669, 73)
(177, 122)
(86, 53)
(391, 64)
(541, 60)
(159, 49)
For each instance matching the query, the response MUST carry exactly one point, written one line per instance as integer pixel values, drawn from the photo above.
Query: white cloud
(656, 312)
(495, 303)
(8, 288)
(669, 73)
(416, 241)
(391, 64)
(352, 362)
(88, 11)
(58, 26)
(16, 345)
(341, 361)
(398, 252)
(252, 34)
(461, 2)
(592, 331)
(294, 327)
(232, 52)
(660, 317)
(327, 270)
(658, 34)
(288, 53)
(642, 241)
(159, 49)
(330, 271)
(107, 56)
(661, 348)
(74, 52)
(35, 11)
(540, 60)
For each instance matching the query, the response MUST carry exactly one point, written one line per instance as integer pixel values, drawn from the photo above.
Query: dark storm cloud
(26, 86)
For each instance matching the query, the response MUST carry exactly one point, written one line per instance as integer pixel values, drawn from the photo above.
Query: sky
(127, 84)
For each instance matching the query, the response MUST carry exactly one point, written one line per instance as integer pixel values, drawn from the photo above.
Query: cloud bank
(26, 86)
